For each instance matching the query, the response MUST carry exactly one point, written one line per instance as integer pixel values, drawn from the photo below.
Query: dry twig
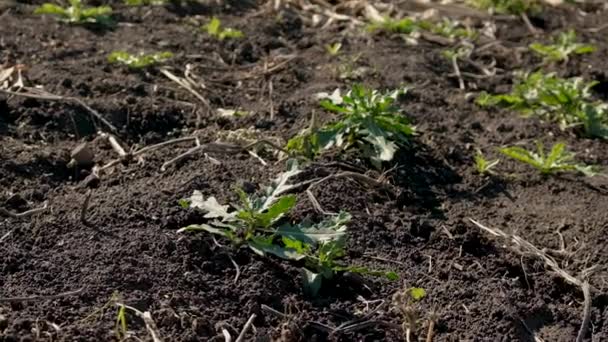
(245, 328)
(40, 297)
(25, 213)
(148, 321)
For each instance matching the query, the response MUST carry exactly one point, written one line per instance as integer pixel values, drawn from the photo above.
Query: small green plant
(333, 49)
(77, 14)
(368, 120)
(120, 327)
(450, 29)
(146, 2)
(507, 6)
(256, 223)
(484, 166)
(214, 29)
(388, 24)
(404, 303)
(139, 61)
(566, 101)
(563, 47)
(557, 160)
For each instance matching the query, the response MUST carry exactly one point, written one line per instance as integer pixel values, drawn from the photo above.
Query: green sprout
(368, 120)
(258, 222)
(404, 302)
(563, 47)
(388, 24)
(484, 166)
(517, 7)
(565, 101)
(557, 160)
(120, 327)
(448, 28)
(214, 29)
(139, 61)
(77, 14)
(333, 49)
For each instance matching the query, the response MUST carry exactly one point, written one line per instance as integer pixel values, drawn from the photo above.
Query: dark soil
(480, 290)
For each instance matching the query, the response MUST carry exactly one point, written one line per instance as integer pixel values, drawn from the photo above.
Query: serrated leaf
(204, 227)
(279, 185)
(279, 208)
(263, 246)
(210, 206)
(331, 229)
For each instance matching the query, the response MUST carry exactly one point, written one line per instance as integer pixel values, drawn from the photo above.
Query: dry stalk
(527, 247)
(41, 297)
(586, 312)
(217, 147)
(85, 208)
(25, 213)
(248, 324)
(148, 321)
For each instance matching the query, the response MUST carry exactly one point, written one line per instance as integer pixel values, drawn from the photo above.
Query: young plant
(369, 120)
(388, 24)
(566, 101)
(256, 223)
(563, 47)
(214, 29)
(120, 327)
(333, 49)
(484, 166)
(77, 14)
(517, 7)
(448, 28)
(139, 61)
(404, 303)
(557, 160)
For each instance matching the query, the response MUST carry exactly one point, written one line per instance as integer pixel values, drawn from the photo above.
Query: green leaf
(521, 154)
(312, 282)
(184, 203)
(210, 206)
(276, 211)
(263, 246)
(279, 185)
(49, 8)
(417, 293)
(204, 227)
(333, 228)
(213, 27)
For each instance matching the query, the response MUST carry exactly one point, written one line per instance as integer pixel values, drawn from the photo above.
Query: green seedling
(120, 327)
(448, 28)
(257, 222)
(146, 2)
(77, 14)
(517, 7)
(565, 101)
(484, 166)
(333, 49)
(388, 24)
(562, 48)
(139, 61)
(214, 29)
(369, 120)
(404, 303)
(556, 161)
